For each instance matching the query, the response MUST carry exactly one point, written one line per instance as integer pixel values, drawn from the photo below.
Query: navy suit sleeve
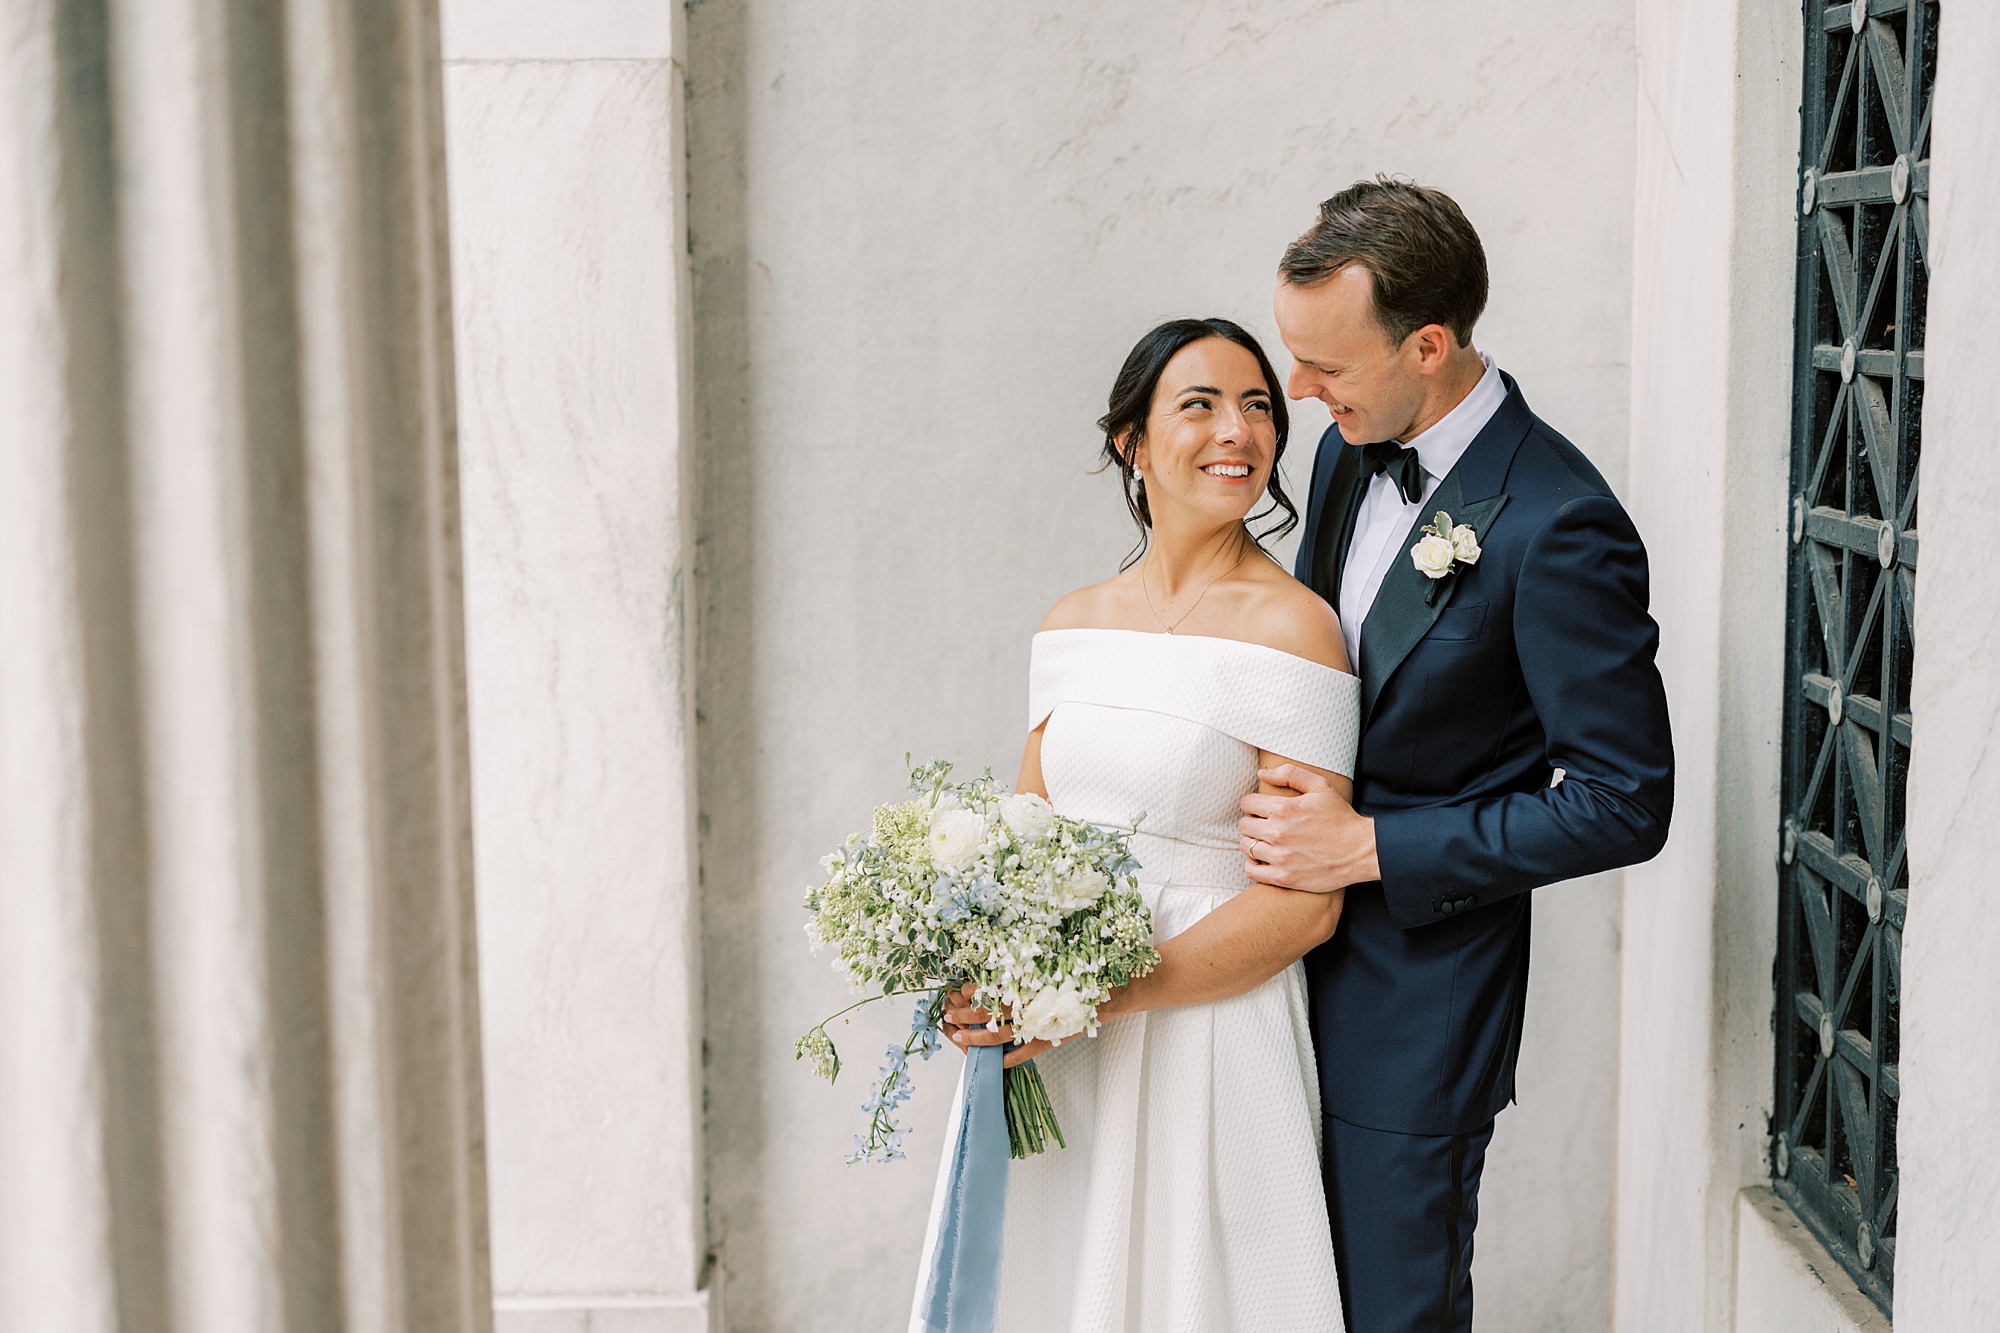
(1586, 646)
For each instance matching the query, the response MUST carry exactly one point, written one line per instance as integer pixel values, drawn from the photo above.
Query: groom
(1514, 728)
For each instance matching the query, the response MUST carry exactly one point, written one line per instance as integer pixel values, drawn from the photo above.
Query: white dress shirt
(1386, 518)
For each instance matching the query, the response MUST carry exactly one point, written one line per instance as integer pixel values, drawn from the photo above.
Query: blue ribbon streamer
(963, 1287)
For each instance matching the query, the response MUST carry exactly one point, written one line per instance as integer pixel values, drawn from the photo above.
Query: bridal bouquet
(968, 883)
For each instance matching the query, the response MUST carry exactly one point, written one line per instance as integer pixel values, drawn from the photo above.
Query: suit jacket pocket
(1459, 624)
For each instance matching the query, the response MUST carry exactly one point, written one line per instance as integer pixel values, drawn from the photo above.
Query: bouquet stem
(1031, 1120)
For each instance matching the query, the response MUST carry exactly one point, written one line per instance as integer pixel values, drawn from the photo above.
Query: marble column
(239, 1059)
(568, 248)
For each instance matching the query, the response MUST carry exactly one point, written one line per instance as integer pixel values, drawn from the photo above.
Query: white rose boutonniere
(1464, 544)
(1443, 549)
(1432, 555)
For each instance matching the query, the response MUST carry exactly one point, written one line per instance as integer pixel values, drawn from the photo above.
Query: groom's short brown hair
(1428, 265)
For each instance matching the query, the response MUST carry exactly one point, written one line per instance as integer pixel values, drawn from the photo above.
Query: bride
(1189, 1198)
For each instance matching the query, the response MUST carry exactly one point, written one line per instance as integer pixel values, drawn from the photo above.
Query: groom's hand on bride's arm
(965, 1027)
(1305, 836)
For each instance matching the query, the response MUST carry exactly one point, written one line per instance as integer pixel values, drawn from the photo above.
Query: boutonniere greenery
(1443, 550)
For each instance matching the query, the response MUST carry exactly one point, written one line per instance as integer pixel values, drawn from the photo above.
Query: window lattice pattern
(1864, 240)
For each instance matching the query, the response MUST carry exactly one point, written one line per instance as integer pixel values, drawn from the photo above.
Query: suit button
(1446, 906)
(1470, 900)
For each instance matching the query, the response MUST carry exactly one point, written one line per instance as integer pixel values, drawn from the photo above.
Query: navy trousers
(1403, 1207)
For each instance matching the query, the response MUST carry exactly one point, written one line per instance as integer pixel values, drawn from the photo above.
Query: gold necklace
(1182, 619)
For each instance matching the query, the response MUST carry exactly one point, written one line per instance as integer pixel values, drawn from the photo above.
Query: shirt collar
(1440, 447)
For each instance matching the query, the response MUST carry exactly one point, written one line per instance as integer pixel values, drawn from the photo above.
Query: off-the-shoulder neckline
(1198, 638)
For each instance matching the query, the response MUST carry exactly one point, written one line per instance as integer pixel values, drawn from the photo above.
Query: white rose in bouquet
(1465, 544)
(1027, 814)
(955, 838)
(1432, 556)
(1081, 890)
(1055, 1013)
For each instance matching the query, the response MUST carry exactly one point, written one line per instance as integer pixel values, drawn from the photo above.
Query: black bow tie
(1401, 464)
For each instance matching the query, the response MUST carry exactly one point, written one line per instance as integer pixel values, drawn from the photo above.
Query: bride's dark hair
(1132, 402)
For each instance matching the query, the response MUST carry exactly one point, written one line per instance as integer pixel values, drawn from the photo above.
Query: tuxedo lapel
(1405, 608)
(1471, 494)
(1336, 524)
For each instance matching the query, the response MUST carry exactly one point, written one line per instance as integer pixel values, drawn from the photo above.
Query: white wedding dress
(1189, 1197)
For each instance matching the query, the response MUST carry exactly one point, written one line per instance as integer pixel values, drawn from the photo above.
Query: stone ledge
(1786, 1282)
(602, 1314)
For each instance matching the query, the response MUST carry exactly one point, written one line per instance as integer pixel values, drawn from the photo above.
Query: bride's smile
(1210, 440)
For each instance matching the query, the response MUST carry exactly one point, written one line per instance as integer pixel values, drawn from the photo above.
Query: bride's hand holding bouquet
(964, 896)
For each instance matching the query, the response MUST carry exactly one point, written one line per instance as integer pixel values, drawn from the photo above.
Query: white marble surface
(923, 242)
(1717, 96)
(566, 217)
(1949, 1218)
(600, 1313)
(557, 29)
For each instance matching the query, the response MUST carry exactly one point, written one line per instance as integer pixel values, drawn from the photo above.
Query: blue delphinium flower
(890, 1090)
(985, 895)
(924, 1024)
(955, 907)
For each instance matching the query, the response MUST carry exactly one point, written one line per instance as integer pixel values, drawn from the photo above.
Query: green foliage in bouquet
(966, 882)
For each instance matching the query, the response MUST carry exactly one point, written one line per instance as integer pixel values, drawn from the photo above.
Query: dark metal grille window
(1863, 272)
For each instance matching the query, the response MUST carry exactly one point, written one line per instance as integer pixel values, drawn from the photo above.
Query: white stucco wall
(568, 254)
(1711, 355)
(1949, 1221)
(923, 240)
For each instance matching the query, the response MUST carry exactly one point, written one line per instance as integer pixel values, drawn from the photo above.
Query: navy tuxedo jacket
(1474, 693)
